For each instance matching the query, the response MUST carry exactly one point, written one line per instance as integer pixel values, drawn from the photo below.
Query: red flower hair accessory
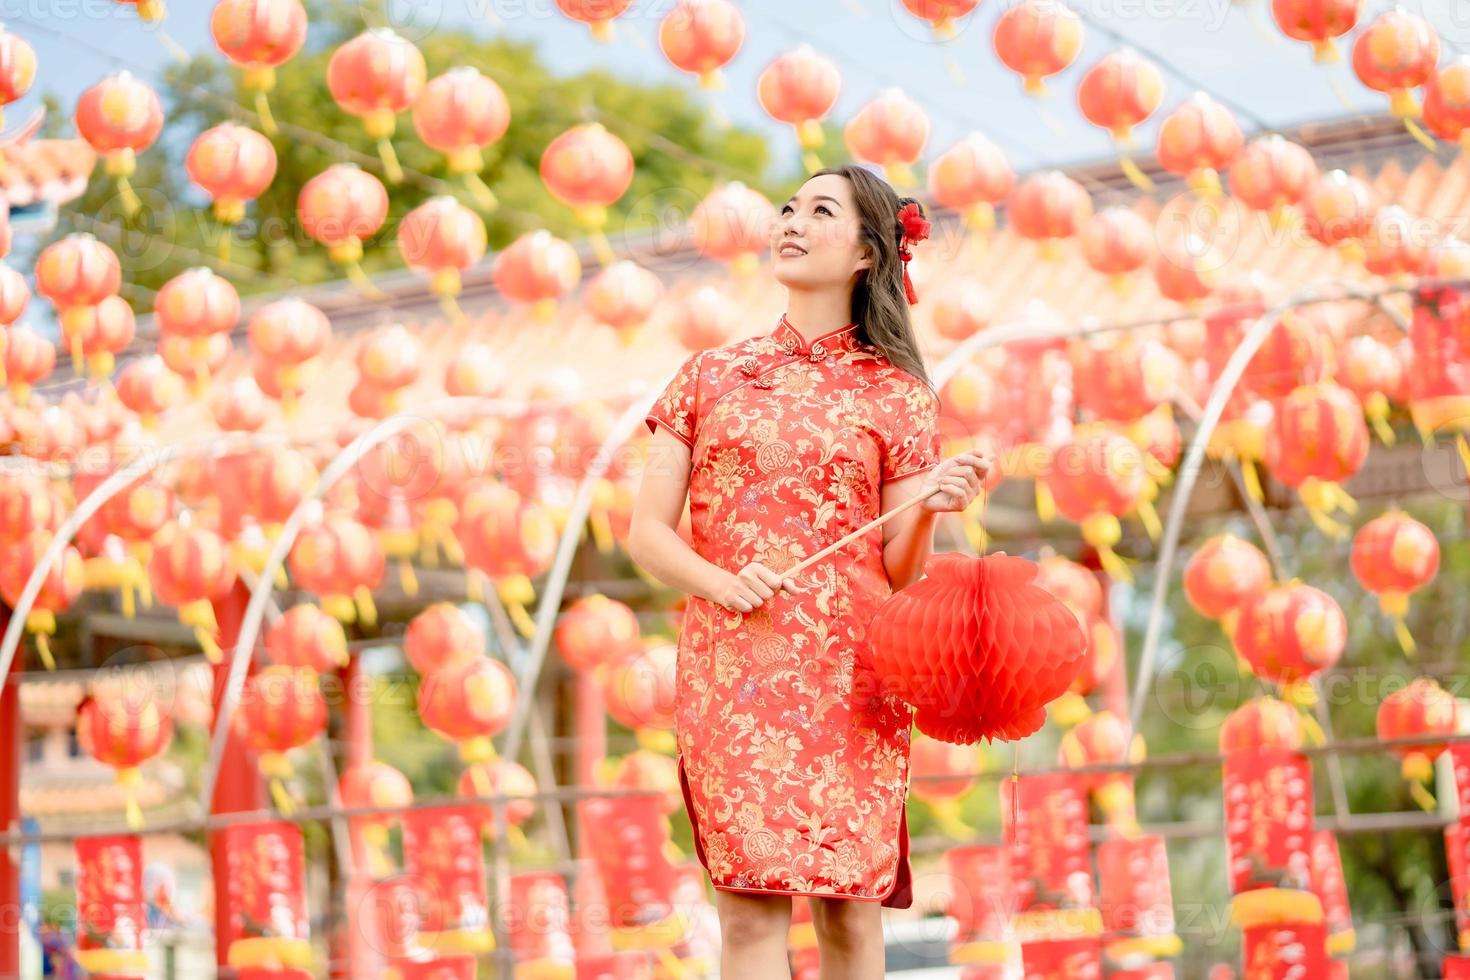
(915, 229)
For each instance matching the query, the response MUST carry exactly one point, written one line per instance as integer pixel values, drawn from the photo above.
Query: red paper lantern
(701, 36)
(1395, 53)
(941, 14)
(1318, 439)
(375, 76)
(17, 67)
(733, 224)
(305, 636)
(373, 784)
(442, 638)
(469, 704)
(961, 309)
(587, 168)
(1421, 708)
(1272, 174)
(74, 273)
(104, 331)
(150, 11)
(1115, 242)
(799, 88)
(281, 709)
(342, 562)
(441, 238)
(1372, 371)
(460, 113)
(1036, 39)
(148, 387)
(1224, 572)
(1447, 101)
(595, 631)
(196, 358)
(191, 568)
(342, 207)
(15, 295)
(389, 357)
(288, 333)
(259, 36)
(1393, 556)
(623, 295)
(1396, 244)
(197, 303)
(645, 770)
(971, 177)
(889, 131)
(537, 268)
(1289, 633)
(1119, 92)
(598, 15)
(1263, 723)
(120, 117)
(1198, 140)
(1123, 380)
(1072, 583)
(122, 729)
(1439, 384)
(499, 777)
(1104, 739)
(1048, 207)
(238, 405)
(640, 691)
(1186, 269)
(1317, 22)
(1094, 479)
(1339, 210)
(59, 589)
(234, 165)
(971, 679)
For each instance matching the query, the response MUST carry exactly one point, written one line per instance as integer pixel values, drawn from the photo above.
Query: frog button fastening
(818, 352)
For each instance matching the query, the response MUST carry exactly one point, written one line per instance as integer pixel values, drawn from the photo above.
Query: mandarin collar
(789, 339)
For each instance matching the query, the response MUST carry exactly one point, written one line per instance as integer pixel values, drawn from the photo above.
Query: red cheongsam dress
(793, 759)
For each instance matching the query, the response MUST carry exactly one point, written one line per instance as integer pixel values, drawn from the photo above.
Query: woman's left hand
(955, 483)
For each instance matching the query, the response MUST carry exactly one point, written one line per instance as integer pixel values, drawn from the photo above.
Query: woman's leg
(849, 937)
(753, 932)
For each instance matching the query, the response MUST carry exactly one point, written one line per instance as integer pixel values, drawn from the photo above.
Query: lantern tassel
(42, 623)
(1300, 693)
(1423, 138)
(1135, 176)
(367, 613)
(811, 162)
(281, 797)
(602, 534)
(1069, 710)
(1376, 408)
(263, 110)
(601, 248)
(672, 965)
(1463, 448)
(340, 608)
(1252, 481)
(515, 593)
(133, 813)
(391, 168)
(658, 740)
(1015, 793)
(128, 197)
(200, 615)
(516, 837)
(1113, 565)
(1150, 519)
(359, 278)
(1422, 796)
(975, 535)
(407, 578)
(1046, 505)
(481, 192)
(1405, 638)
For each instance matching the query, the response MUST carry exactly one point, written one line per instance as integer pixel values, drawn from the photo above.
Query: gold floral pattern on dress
(794, 765)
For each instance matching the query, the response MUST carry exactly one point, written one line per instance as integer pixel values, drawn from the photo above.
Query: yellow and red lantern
(1447, 101)
(1273, 174)
(288, 333)
(1288, 634)
(598, 15)
(1122, 381)
(1117, 241)
(233, 165)
(147, 386)
(1036, 39)
(622, 295)
(499, 777)
(1439, 384)
(342, 562)
(1224, 572)
(508, 540)
(342, 207)
(596, 631)
(1098, 740)
(15, 295)
(75, 273)
(1421, 708)
(122, 727)
(799, 88)
(281, 709)
(704, 319)
(190, 568)
(1393, 556)
(442, 638)
(17, 68)
(59, 589)
(701, 36)
(475, 372)
(537, 269)
(375, 76)
(1396, 245)
(1265, 723)
(120, 117)
(1317, 22)
(1197, 141)
(889, 131)
(105, 330)
(305, 636)
(961, 309)
(1339, 211)
(1074, 584)
(1318, 439)
(469, 704)
(197, 359)
(732, 224)
(1394, 54)
(1187, 269)
(1047, 208)
(258, 36)
(640, 693)
(972, 176)
(588, 168)
(441, 238)
(1104, 649)
(1372, 371)
(195, 305)
(941, 14)
(461, 113)
(150, 11)
(1119, 92)
(238, 405)
(1095, 478)
(373, 784)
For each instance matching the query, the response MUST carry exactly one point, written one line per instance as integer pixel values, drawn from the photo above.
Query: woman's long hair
(880, 308)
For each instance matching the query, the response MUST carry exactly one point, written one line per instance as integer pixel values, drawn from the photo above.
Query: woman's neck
(819, 313)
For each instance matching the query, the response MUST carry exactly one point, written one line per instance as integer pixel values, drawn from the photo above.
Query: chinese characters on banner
(1051, 862)
(1457, 847)
(1268, 819)
(1331, 888)
(110, 910)
(1137, 900)
(1296, 951)
(627, 836)
(442, 851)
(982, 902)
(266, 900)
(1078, 958)
(538, 920)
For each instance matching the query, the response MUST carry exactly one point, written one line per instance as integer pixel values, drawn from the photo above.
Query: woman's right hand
(747, 589)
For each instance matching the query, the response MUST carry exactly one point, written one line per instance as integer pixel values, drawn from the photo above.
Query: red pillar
(12, 749)
(239, 787)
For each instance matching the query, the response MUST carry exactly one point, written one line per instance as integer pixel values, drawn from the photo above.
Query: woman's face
(818, 238)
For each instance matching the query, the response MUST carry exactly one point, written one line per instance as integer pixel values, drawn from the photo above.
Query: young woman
(793, 757)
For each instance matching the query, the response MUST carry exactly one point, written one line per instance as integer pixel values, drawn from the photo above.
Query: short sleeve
(912, 444)
(677, 408)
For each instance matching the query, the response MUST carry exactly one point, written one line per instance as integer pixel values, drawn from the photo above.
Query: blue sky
(1232, 50)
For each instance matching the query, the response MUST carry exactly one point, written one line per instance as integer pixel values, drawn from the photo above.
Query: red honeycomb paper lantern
(1394, 556)
(977, 677)
(1289, 633)
(120, 117)
(442, 638)
(799, 88)
(596, 631)
(375, 76)
(305, 636)
(701, 36)
(889, 131)
(468, 705)
(1036, 39)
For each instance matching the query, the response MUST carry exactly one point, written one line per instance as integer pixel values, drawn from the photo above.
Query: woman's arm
(653, 537)
(908, 539)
